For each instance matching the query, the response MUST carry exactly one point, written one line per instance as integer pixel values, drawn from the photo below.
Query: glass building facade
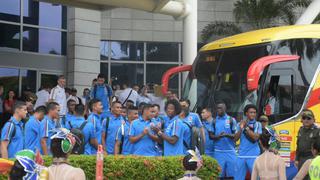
(35, 29)
(27, 25)
(131, 62)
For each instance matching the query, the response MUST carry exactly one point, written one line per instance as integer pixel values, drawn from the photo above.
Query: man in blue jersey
(222, 133)
(248, 131)
(94, 117)
(157, 117)
(50, 122)
(110, 127)
(32, 129)
(79, 122)
(141, 135)
(207, 121)
(12, 136)
(191, 120)
(103, 92)
(173, 134)
(123, 145)
(71, 104)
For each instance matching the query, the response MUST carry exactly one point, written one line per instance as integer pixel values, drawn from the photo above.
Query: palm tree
(257, 14)
(220, 28)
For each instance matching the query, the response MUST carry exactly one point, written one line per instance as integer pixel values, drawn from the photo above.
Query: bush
(139, 168)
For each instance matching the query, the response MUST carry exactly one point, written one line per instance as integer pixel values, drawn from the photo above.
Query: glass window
(44, 41)
(104, 69)
(104, 50)
(126, 51)
(9, 36)
(278, 98)
(155, 72)
(10, 10)
(168, 52)
(40, 13)
(9, 78)
(29, 80)
(127, 73)
(49, 80)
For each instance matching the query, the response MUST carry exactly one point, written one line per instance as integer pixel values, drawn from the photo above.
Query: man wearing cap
(275, 142)
(307, 135)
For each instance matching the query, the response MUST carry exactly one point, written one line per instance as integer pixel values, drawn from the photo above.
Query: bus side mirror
(168, 74)
(257, 67)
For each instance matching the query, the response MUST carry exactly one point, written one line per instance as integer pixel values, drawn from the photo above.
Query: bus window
(278, 98)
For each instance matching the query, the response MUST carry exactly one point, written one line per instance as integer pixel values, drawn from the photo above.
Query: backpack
(122, 138)
(196, 139)
(78, 147)
(13, 131)
(95, 90)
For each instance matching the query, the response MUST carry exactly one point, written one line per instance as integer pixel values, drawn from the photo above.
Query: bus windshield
(221, 76)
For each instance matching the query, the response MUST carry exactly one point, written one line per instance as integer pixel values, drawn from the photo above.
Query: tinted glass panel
(9, 36)
(29, 80)
(104, 50)
(44, 14)
(127, 51)
(155, 72)
(104, 69)
(44, 41)
(49, 80)
(10, 10)
(127, 73)
(168, 52)
(9, 78)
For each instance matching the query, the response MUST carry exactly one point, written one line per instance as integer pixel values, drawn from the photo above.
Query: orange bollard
(99, 163)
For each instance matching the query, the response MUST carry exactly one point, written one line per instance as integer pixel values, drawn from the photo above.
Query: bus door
(277, 96)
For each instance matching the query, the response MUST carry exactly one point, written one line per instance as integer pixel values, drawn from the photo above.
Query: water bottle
(99, 163)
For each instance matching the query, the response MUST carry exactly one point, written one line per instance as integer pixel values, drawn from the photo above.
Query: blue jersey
(32, 134)
(145, 146)
(46, 127)
(193, 120)
(159, 121)
(247, 149)
(209, 146)
(103, 93)
(88, 132)
(167, 120)
(96, 121)
(123, 134)
(68, 118)
(174, 129)
(13, 132)
(227, 125)
(114, 124)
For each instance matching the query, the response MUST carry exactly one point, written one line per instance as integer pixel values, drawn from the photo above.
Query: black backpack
(78, 147)
(13, 131)
(196, 139)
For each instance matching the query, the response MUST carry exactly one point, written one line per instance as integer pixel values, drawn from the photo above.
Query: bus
(278, 65)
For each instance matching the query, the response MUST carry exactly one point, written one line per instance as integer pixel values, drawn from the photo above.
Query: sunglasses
(306, 118)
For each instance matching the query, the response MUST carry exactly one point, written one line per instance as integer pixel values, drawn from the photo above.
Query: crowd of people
(131, 123)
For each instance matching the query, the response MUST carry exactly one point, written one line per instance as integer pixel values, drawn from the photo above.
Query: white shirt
(125, 93)
(143, 99)
(158, 100)
(43, 98)
(75, 98)
(59, 96)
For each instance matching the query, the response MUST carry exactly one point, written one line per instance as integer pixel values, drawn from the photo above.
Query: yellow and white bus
(279, 64)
